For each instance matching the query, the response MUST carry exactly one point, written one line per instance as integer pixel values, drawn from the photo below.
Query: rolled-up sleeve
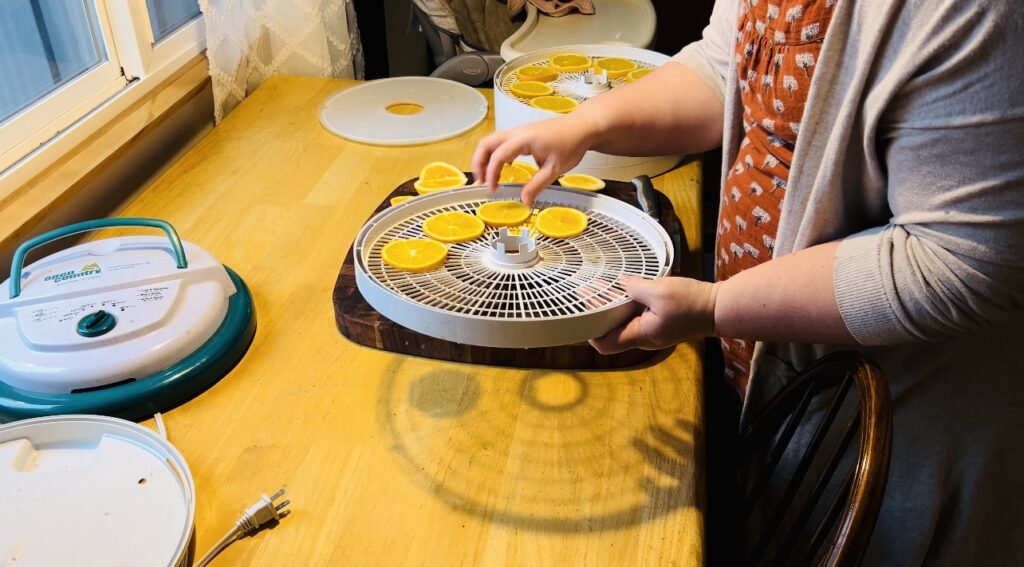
(709, 57)
(951, 261)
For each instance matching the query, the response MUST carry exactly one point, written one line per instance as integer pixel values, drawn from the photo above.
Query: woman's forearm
(671, 111)
(790, 299)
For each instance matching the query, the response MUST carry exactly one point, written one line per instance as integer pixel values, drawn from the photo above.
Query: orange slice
(533, 169)
(555, 103)
(530, 89)
(517, 172)
(503, 213)
(431, 185)
(414, 254)
(440, 170)
(638, 74)
(581, 181)
(569, 62)
(453, 226)
(437, 176)
(615, 66)
(537, 73)
(400, 199)
(561, 222)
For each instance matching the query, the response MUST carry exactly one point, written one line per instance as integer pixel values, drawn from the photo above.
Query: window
(166, 16)
(61, 59)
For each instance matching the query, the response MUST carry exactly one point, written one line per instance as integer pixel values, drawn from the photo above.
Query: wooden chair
(794, 529)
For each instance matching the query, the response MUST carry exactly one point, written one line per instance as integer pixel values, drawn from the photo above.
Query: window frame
(138, 51)
(34, 138)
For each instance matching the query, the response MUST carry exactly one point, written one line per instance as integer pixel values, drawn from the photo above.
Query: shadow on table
(555, 451)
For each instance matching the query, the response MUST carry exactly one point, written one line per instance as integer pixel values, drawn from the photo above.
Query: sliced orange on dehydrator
(517, 172)
(615, 67)
(561, 222)
(531, 89)
(537, 73)
(554, 103)
(414, 254)
(638, 74)
(453, 226)
(437, 176)
(503, 213)
(581, 181)
(569, 62)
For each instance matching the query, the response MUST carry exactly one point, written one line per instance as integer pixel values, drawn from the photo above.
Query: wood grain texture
(397, 460)
(362, 324)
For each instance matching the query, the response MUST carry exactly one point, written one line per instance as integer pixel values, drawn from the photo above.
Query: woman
(873, 198)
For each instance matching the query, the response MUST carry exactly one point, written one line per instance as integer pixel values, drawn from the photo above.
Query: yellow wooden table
(395, 460)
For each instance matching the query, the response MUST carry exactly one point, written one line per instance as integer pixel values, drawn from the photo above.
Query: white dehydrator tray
(364, 113)
(481, 296)
(511, 111)
(89, 490)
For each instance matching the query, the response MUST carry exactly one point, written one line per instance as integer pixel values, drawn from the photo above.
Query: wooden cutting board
(363, 325)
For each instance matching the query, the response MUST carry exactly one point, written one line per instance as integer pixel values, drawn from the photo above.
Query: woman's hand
(669, 311)
(557, 145)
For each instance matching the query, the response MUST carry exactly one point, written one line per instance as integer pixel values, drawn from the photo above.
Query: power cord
(255, 518)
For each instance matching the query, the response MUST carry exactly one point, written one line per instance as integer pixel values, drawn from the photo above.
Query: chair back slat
(844, 527)
(831, 515)
(849, 432)
(804, 465)
(777, 452)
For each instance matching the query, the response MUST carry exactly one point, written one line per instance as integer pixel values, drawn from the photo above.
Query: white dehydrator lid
(92, 491)
(570, 294)
(365, 113)
(160, 313)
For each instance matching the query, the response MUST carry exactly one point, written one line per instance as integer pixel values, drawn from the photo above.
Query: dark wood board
(362, 324)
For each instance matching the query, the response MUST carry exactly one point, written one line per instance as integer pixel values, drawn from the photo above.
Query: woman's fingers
(540, 180)
(503, 154)
(622, 338)
(482, 155)
(641, 290)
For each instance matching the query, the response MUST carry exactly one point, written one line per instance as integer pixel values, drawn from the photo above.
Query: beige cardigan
(911, 151)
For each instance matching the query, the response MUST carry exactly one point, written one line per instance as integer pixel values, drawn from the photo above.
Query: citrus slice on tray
(414, 254)
(503, 213)
(638, 74)
(437, 176)
(453, 226)
(581, 181)
(554, 103)
(615, 66)
(400, 199)
(537, 73)
(431, 185)
(569, 62)
(530, 89)
(516, 172)
(561, 222)
(439, 170)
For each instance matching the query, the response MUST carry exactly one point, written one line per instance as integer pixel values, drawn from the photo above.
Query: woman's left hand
(669, 311)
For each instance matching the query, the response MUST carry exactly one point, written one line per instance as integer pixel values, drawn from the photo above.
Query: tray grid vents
(574, 275)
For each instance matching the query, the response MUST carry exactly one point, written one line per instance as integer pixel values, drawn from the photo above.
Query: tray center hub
(514, 251)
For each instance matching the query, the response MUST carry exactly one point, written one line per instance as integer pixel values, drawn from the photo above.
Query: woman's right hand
(557, 145)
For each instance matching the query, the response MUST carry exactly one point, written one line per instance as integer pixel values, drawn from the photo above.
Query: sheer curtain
(250, 40)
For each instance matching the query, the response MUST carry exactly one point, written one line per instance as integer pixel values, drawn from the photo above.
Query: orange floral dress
(777, 48)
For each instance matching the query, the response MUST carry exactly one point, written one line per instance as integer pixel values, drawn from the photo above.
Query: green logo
(87, 270)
